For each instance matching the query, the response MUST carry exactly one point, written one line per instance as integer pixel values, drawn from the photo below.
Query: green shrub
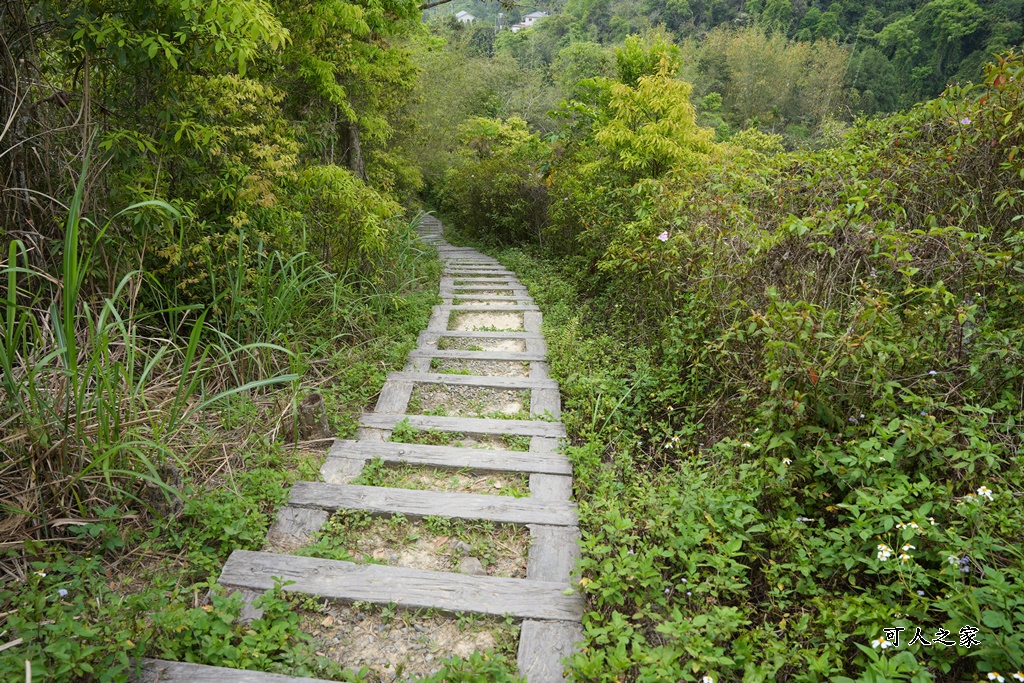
(793, 384)
(494, 188)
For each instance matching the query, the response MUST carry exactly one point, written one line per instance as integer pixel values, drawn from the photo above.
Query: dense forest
(778, 246)
(884, 56)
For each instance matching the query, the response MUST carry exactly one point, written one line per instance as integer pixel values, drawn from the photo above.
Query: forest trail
(484, 342)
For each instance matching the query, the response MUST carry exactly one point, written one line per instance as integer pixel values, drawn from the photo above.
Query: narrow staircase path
(549, 614)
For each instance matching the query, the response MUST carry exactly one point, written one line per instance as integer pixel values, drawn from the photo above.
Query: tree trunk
(354, 149)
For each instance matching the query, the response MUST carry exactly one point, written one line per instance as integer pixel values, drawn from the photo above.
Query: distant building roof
(535, 15)
(464, 17)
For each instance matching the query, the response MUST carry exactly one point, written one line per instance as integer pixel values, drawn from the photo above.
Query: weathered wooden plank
(545, 399)
(515, 308)
(462, 273)
(445, 457)
(543, 646)
(431, 335)
(468, 425)
(417, 364)
(550, 487)
(163, 671)
(493, 381)
(461, 296)
(475, 355)
(394, 396)
(372, 435)
(408, 588)
(484, 269)
(554, 551)
(539, 370)
(379, 500)
(249, 612)
(532, 322)
(339, 470)
(294, 528)
(475, 288)
(439, 318)
(536, 345)
(541, 444)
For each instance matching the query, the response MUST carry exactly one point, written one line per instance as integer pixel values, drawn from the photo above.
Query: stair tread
(407, 588)
(382, 500)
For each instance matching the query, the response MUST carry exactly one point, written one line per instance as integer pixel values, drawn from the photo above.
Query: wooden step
(524, 357)
(448, 457)
(163, 671)
(492, 381)
(542, 647)
(466, 425)
(485, 269)
(504, 308)
(407, 588)
(383, 501)
(448, 283)
(489, 297)
(434, 335)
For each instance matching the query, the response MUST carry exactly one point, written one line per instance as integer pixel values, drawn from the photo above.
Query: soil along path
(475, 411)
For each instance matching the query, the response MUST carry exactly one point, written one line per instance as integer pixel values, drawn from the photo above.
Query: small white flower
(931, 520)
(921, 593)
(707, 679)
(41, 574)
(908, 547)
(881, 643)
(884, 552)
(747, 444)
(932, 373)
(994, 676)
(689, 593)
(684, 580)
(787, 462)
(1018, 676)
(985, 492)
(904, 558)
(62, 592)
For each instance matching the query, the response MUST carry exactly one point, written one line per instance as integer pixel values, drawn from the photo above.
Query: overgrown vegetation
(793, 381)
(203, 224)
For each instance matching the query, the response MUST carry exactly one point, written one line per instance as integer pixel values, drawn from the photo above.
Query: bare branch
(435, 3)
